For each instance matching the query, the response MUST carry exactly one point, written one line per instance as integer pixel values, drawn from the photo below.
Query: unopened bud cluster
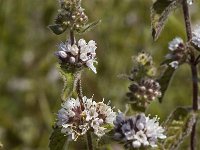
(177, 52)
(75, 56)
(144, 88)
(138, 131)
(145, 91)
(71, 14)
(143, 59)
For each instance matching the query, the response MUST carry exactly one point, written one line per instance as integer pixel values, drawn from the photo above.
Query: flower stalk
(193, 65)
(89, 141)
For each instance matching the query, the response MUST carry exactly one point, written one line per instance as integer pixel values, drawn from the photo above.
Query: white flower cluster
(78, 54)
(174, 44)
(76, 119)
(196, 37)
(177, 52)
(138, 131)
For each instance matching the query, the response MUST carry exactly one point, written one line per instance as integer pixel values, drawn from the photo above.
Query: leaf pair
(61, 28)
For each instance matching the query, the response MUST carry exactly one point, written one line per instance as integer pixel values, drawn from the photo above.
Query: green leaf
(159, 13)
(57, 139)
(57, 28)
(165, 79)
(178, 126)
(105, 140)
(89, 26)
(70, 82)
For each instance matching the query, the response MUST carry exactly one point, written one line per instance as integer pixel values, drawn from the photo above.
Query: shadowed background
(30, 85)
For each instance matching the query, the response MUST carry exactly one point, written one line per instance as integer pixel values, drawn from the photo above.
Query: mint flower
(76, 119)
(175, 43)
(196, 37)
(178, 52)
(78, 55)
(138, 131)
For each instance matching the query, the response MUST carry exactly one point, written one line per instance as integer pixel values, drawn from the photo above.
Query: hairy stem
(187, 20)
(89, 141)
(80, 96)
(72, 38)
(193, 65)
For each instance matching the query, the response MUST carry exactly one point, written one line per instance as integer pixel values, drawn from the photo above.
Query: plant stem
(72, 39)
(187, 20)
(80, 95)
(193, 65)
(89, 141)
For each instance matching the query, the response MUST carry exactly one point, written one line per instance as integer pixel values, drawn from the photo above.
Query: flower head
(71, 15)
(78, 55)
(175, 43)
(76, 119)
(196, 37)
(147, 90)
(138, 131)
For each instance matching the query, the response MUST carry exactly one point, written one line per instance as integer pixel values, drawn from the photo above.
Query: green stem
(89, 141)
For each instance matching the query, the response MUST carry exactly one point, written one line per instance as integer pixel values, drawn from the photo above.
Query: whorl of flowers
(71, 14)
(196, 37)
(177, 52)
(78, 55)
(146, 90)
(138, 131)
(76, 119)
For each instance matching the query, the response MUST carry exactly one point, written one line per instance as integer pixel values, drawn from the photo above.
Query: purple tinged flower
(196, 36)
(138, 130)
(175, 43)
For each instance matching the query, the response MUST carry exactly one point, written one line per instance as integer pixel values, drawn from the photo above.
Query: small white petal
(84, 57)
(196, 36)
(90, 64)
(62, 54)
(136, 144)
(190, 2)
(72, 60)
(82, 43)
(174, 64)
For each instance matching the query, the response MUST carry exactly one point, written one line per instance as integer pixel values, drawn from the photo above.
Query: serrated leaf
(165, 79)
(70, 82)
(57, 139)
(159, 13)
(178, 126)
(89, 26)
(57, 28)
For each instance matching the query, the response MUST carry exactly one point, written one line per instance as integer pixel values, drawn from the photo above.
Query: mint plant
(101, 124)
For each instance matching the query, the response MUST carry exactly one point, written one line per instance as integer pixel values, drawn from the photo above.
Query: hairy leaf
(57, 28)
(165, 79)
(159, 13)
(89, 26)
(70, 82)
(178, 126)
(57, 139)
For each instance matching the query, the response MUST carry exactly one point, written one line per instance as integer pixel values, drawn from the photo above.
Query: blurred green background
(30, 85)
